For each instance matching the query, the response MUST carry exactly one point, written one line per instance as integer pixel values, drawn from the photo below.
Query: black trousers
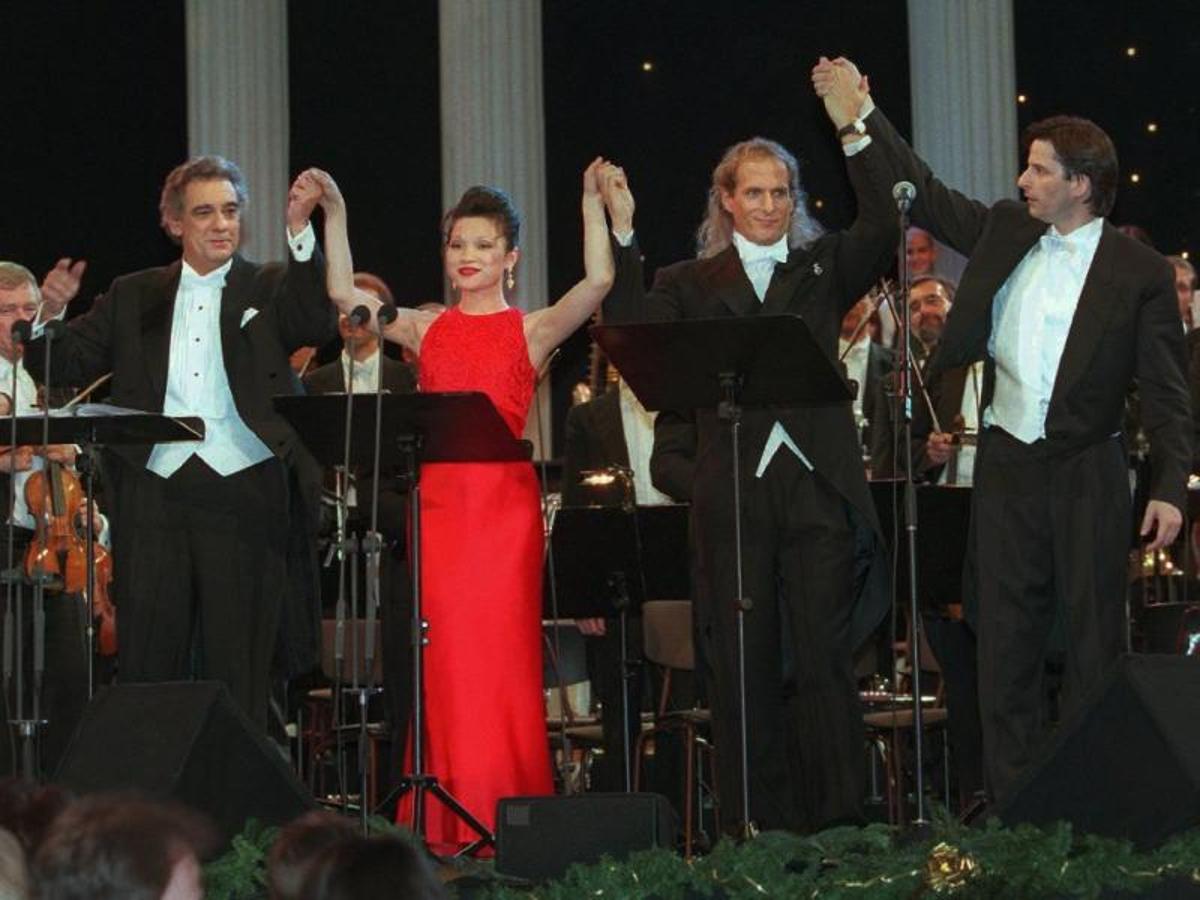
(804, 718)
(1050, 534)
(200, 576)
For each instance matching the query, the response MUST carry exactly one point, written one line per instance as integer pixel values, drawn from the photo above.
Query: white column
(237, 76)
(493, 130)
(964, 93)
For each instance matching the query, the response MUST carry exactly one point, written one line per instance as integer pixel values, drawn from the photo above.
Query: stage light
(1135, 178)
(1131, 51)
(819, 203)
(647, 65)
(1021, 98)
(1152, 127)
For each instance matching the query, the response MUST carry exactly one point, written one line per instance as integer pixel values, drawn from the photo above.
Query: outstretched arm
(547, 328)
(409, 326)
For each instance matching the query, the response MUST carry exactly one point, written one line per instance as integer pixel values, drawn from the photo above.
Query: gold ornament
(948, 869)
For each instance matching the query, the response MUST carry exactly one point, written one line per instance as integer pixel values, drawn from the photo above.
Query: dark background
(95, 115)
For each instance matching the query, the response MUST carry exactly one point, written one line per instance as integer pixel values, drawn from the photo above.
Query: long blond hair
(716, 231)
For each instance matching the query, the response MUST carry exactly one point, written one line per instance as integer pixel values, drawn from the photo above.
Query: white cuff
(625, 239)
(303, 244)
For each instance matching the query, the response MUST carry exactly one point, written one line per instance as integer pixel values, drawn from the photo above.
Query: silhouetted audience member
(27, 810)
(368, 868)
(14, 869)
(297, 848)
(122, 847)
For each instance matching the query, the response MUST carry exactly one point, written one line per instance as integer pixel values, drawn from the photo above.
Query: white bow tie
(757, 253)
(214, 279)
(1056, 243)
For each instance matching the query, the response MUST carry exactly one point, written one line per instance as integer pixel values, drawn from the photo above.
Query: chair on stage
(575, 734)
(889, 724)
(319, 729)
(668, 644)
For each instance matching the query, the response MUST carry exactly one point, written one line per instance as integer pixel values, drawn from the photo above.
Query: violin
(55, 499)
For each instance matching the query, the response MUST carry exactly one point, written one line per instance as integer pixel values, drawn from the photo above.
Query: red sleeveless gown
(481, 581)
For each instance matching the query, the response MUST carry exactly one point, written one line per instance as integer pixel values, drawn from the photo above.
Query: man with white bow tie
(1066, 312)
(201, 529)
(809, 531)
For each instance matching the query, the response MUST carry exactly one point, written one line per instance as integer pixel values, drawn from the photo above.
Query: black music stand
(88, 425)
(433, 427)
(726, 364)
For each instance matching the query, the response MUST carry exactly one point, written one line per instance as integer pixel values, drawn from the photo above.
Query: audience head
(482, 234)
(1185, 286)
(369, 868)
(756, 192)
(929, 301)
(298, 846)
(921, 251)
(1077, 163)
(201, 209)
(14, 870)
(19, 299)
(122, 847)
(27, 809)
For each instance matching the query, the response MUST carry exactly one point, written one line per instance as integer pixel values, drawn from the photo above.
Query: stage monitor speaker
(537, 838)
(186, 741)
(1125, 763)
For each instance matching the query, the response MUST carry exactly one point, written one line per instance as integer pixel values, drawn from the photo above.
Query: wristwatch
(857, 128)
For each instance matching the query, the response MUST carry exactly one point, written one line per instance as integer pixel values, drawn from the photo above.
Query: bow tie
(213, 280)
(758, 254)
(1056, 243)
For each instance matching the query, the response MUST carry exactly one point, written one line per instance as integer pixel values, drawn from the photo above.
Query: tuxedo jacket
(267, 311)
(330, 378)
(818, 283)
(398, 378)
(595, 438)
(1125, 327)
(880, 411)
(946, 389)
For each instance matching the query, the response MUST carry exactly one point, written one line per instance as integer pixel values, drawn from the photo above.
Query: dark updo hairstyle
(486, 203)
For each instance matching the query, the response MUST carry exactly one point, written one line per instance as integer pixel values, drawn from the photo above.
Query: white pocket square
(249, 314)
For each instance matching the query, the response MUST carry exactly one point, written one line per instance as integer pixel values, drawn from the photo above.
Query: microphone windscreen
(22, 331)
(360, 314)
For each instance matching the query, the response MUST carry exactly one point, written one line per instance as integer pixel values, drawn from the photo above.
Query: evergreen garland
(840, 864)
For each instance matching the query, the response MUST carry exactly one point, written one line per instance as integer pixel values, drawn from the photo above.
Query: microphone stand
(372, 549)
(905, 370)
(347, 549)
(14, 577)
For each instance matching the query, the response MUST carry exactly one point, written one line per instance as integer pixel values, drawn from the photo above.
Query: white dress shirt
(969, 410)
(26, 405)
(197, 384)
(759, 263)
(1031, 317)
(366, 373)
(637, 424)
(855, 359)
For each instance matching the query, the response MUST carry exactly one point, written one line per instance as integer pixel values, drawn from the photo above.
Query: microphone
(22, 331)
(386, 314)
(903, 192)
(360, 315)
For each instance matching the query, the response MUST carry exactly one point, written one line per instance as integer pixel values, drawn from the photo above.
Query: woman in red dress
(481, 525)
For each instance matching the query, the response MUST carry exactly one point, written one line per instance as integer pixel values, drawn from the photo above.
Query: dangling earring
(510, 282)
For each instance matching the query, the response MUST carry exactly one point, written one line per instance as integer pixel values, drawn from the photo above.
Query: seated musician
(64, 690)
(612, 430)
